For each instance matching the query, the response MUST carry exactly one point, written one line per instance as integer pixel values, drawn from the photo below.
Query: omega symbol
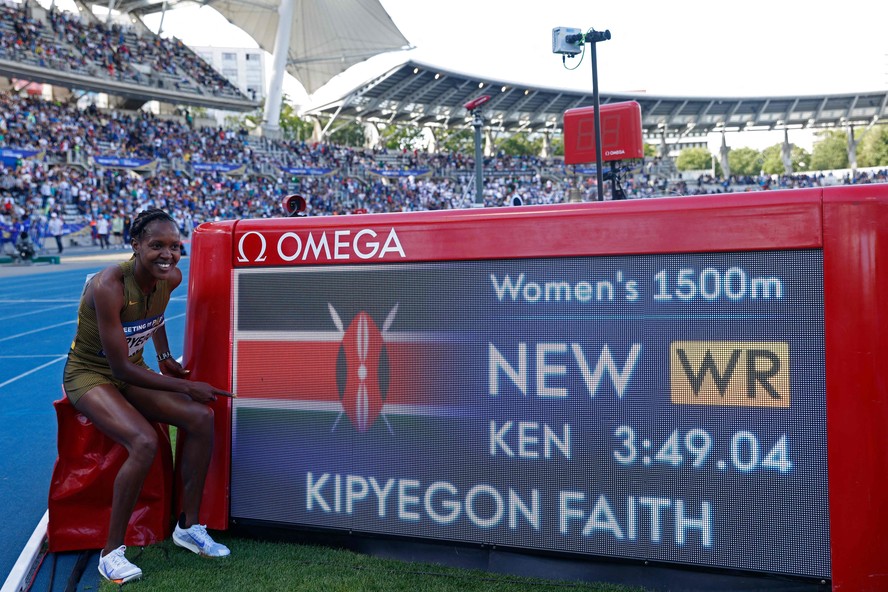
(240, 247)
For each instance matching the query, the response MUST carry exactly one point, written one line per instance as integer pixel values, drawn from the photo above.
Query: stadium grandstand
(69, 158)
(128, 61)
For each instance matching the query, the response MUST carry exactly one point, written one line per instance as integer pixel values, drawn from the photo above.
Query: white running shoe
(197, 540)
(115, 567)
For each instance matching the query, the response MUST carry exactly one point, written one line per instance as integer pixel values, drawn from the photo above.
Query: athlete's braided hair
(145, 218)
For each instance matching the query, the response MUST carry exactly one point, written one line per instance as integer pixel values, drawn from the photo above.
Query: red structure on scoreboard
(620, 133)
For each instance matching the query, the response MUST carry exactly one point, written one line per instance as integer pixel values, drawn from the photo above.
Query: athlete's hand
(171, 367)
(206, 393)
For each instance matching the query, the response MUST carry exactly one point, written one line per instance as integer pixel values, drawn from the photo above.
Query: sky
(677, 48)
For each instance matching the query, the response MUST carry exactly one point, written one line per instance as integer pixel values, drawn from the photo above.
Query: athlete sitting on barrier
(107, 380)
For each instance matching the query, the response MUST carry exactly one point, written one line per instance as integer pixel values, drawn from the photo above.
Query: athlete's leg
(196, 420)
(110, 412)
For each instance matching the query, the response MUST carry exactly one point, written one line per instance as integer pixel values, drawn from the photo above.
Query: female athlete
(107, 380)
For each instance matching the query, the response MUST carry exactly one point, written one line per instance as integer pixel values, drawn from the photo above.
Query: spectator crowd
(68, 42)
(64, 179)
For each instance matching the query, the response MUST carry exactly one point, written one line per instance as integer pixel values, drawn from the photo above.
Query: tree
(745, 161)
(248, 121)
(830, 151)
(872, 151)
(292, 127)
(801, 160)
(351, 134)
(650, 150)
(521, 144)
(402, 137)
(772, 159)
(693, 159)
(455, 140)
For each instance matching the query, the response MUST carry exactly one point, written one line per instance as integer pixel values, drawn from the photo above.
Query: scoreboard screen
(663, 407)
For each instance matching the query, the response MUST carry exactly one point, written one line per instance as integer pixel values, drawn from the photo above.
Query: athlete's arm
(169, 366)
(108, 301)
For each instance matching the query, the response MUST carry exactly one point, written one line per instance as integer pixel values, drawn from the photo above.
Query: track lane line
(47, 328)
(40, 311)
(24, 565)
(33, 370)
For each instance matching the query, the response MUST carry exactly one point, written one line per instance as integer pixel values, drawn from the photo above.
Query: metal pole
(271, 118)
(163, 12)
(479, 159)
(595, 103)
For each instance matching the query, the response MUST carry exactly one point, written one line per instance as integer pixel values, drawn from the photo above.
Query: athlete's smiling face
(159, 250)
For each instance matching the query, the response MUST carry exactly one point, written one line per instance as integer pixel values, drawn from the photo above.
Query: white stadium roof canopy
(328, 37)
(423, 94)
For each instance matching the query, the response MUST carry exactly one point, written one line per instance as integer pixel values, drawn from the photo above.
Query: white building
(244, 67)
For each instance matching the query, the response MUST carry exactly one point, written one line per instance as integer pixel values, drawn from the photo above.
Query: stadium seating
(80, 44)
(209, 173)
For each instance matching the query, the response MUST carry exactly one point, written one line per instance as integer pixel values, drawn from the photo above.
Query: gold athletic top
(141, 316)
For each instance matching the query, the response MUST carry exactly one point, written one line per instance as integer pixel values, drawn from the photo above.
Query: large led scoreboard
(696, 382)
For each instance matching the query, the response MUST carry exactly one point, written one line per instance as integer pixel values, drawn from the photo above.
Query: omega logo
(240, 247)
(322, 246)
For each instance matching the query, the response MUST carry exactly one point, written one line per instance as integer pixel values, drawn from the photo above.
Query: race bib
(139, 332)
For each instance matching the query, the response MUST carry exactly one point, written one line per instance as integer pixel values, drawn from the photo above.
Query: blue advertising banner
(219, 167)
(10, 156)
(308, 171)
(401, 173)
(591, 170)
(653, 407)
(115, 162)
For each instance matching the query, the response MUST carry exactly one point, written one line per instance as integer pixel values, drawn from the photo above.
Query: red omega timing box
(620, 133)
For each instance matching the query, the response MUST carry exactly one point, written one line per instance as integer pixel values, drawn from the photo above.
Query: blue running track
(38, 307)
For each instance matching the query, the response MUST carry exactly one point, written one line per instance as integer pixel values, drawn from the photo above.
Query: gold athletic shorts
(81, 376)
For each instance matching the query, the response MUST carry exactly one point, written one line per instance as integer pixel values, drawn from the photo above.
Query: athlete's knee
(142, 447)
(201, 420)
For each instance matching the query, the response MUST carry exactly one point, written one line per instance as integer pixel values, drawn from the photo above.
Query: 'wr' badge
(362, 368)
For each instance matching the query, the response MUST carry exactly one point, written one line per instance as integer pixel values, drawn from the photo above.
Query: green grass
(269, 566)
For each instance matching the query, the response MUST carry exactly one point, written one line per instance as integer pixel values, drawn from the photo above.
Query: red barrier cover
(82, 484)
(207, 353)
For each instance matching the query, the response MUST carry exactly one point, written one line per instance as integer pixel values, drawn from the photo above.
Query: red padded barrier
(207, 352)
(83, 481)
(855, 274)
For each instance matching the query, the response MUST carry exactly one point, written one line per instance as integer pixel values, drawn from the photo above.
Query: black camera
(294, 205)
